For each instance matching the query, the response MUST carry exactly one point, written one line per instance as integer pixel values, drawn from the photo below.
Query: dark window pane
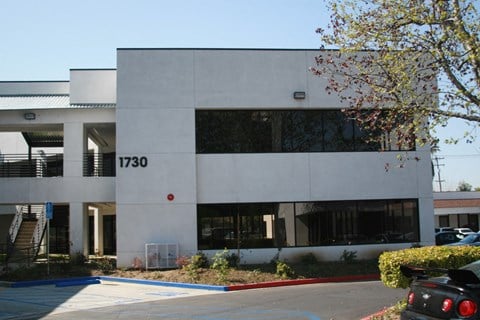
(215, 226)
(276, 225)
(338, 131)
(259, 131)
(239, 226)
(372, 220)
(325, 223)
(366, 140)
(409, 226)
(302, 131)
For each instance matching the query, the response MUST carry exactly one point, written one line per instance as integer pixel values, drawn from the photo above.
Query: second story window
(264, 131)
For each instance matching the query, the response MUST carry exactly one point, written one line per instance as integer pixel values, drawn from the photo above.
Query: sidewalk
(35, 299)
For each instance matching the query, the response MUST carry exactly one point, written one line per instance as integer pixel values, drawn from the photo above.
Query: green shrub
(284, 271)
(106, 265)
(348, 256)
(192, 271)
(200, 260)
(428, 257)
(220, 265)
(78, 259)
(233, 260)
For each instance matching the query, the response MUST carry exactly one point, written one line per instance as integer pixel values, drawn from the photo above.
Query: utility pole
(439, 179)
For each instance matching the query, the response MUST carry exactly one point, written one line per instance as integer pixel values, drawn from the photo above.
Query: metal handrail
(15, 226)
(25, 212)
(31, 165)
(99, 164)
(39, 230)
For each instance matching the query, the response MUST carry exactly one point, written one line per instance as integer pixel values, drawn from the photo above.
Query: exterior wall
(156, 120)
(332, 253)
(12, 142)
(93, 86)
(158, 92)
(11, 88)
(259, 79)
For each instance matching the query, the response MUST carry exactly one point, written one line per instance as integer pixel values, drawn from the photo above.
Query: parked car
(441, 229)
(463, 232)
(446, 237)
(470, 240)
(452, 296)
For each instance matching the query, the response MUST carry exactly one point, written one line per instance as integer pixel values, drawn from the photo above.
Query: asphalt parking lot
(120, 298)
(34, 302)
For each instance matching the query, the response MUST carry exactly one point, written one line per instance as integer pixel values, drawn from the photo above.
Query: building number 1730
(133, 162)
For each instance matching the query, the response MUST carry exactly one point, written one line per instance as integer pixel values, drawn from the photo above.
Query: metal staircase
(26, 234)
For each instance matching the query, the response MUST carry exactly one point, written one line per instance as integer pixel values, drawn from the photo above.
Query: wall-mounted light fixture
(29, 116)
(299, 95)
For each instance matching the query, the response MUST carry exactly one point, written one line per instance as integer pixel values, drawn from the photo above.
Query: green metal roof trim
(26, 102)
(34, 102)
(93, 106)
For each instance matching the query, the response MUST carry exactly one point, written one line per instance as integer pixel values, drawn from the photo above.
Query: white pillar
(98, 231)
(73, 148)
(78, 228)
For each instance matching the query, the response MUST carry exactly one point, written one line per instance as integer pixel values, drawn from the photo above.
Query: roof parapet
(34, 88)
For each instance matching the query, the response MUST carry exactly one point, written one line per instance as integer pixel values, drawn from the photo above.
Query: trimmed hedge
(432, 257)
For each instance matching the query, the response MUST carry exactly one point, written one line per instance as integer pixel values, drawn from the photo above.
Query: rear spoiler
(457, 275)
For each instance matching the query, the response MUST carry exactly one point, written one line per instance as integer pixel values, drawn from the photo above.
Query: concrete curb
(294, 282)
(280, 283)
(166, 284)
(376, 314)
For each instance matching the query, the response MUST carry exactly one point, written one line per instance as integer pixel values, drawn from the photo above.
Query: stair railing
(39, 231)
(15, 225)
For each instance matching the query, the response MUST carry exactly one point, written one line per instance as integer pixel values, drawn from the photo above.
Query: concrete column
(78, 228)
(74, 148)
(98, 232)
(426, 221)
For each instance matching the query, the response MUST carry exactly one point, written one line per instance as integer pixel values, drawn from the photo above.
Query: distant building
(457, 209)
(205, 149)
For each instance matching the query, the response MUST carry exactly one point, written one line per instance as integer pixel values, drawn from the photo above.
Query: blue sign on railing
(49, 210)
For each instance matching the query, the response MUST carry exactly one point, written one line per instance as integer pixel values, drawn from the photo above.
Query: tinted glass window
(273, 225)
(260, 131)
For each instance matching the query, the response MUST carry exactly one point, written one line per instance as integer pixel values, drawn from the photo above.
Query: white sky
(42, 40)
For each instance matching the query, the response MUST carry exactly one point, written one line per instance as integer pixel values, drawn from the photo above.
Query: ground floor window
(274, 225)
(467, 221)
(443, 221)
(59, 230)
(109, 234)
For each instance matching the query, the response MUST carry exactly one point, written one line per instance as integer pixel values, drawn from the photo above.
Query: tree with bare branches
(414, 64)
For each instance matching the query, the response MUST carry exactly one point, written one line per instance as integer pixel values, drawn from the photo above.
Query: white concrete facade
(167, 86)
(156, 93)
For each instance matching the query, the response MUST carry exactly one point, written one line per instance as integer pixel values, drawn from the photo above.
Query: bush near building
(428, 257)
